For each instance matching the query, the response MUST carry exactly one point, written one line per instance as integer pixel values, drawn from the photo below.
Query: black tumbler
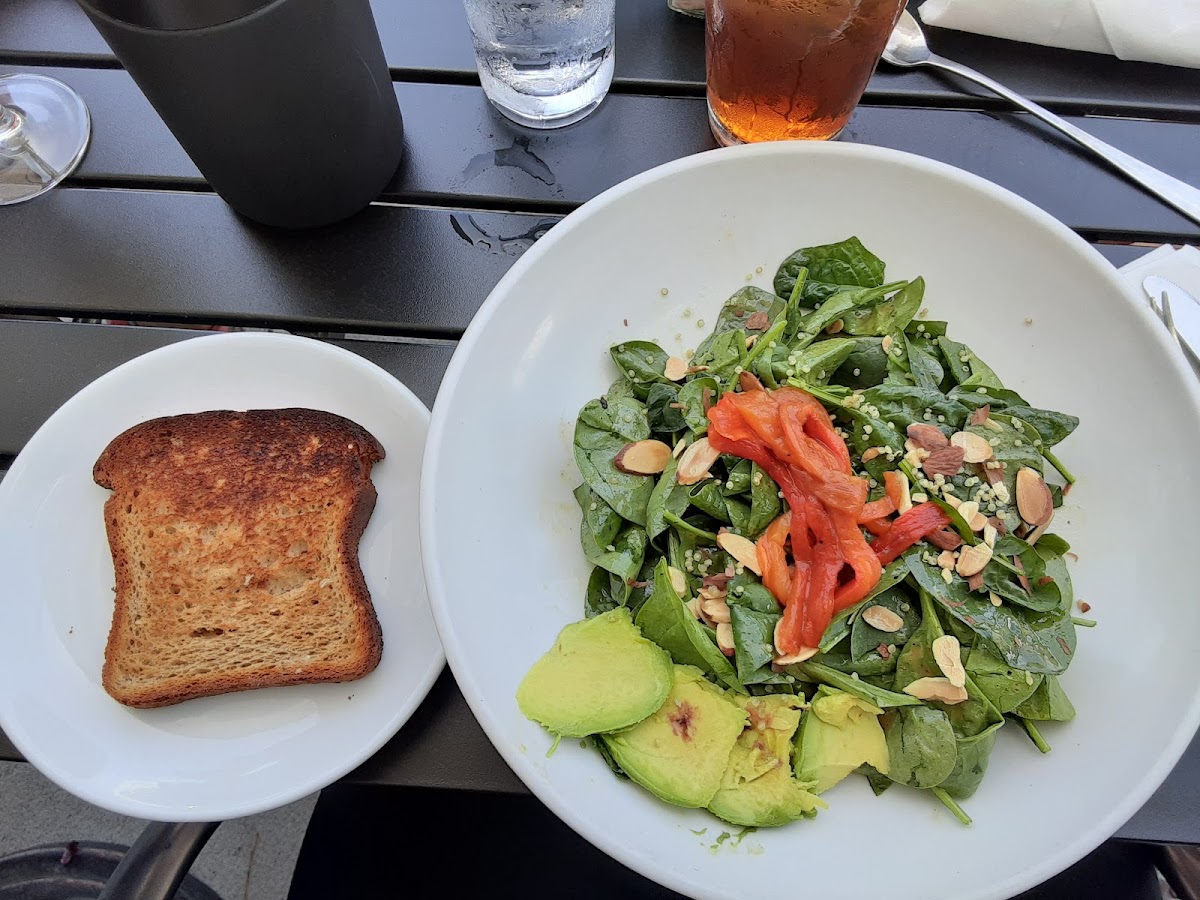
(285, 106)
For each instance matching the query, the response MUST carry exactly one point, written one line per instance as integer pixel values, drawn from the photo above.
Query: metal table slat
(658, 51)
(460, 151)
(165, 257)
(181, 257)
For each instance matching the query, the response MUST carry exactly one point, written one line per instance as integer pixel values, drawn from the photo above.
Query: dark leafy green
(641, 363)
(665, 620)
(889, 317)
(1049, 703)
(922, 750)
(1040, 643)
(602, 431)
(830, 268)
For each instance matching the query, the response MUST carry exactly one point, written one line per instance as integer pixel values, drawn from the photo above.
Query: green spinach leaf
(1049, 703)
(602, 431)
(889, 317)
(922, 750)
(964, 367)
(662, 408)
(668, 496)
(1006, 687)
(691, 395)
(641, 363)
(823, 674)
(665, 620)
(1039, 643)
(831, 268)
(753, 640)
(865, 639)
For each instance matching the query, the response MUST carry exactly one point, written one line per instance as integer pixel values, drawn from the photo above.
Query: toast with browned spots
(234, 538)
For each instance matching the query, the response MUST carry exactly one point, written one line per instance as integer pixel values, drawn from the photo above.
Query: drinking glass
(791, 69)
(543, 63)
(44, 132)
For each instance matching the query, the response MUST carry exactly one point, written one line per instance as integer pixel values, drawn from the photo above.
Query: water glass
(791, 69)
(543, 63)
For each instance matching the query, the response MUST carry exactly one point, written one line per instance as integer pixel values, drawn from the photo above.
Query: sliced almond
(945, 462)
(712, 592)
(949, 659)
(887, 343)
(740, 548)
(969, 510)
(1034, 500)
(696, 461)
(973, 559)
(905, 503)
(951, 500)
(782, 659)
(1001, 491)
(975, 448)
(678, 580)
(643, 458)
(927, 437)
(946, 559)
(882, 619)
(993, 425)
(870, 453)
(995, 599)
(748, 382)
(725, 638)
(693, 606)
(679, 448)
(1032, 537)
(717, 610)
(675, 369)
(936, 688)
(989, 534)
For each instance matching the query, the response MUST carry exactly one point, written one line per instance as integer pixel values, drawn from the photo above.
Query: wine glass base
(44, 133)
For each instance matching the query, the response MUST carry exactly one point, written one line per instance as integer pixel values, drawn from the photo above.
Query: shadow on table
(366, 841)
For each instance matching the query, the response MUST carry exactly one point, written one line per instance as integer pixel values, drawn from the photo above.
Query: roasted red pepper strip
(923, 519)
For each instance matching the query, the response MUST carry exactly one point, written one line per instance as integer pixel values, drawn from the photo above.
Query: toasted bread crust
(230, 487)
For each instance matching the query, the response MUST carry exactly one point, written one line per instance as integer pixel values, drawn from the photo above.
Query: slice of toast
(234, 538)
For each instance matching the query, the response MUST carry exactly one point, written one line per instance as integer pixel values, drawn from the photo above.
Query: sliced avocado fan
(600, 675)
(681, 752)
(758, 788)
(840, 732)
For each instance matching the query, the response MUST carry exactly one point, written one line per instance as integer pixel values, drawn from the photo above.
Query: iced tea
(791, 69)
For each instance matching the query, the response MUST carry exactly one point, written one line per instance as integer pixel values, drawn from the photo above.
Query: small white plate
(217, 757)
(1042, 307)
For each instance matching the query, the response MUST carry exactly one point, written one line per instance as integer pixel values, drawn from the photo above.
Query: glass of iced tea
(791, 69)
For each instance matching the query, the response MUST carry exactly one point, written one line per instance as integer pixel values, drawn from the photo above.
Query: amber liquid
(791, 69)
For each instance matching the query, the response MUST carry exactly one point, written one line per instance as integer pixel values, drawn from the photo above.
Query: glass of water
(543, 63)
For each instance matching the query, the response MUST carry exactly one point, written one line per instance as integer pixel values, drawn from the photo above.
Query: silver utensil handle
(1178, 194)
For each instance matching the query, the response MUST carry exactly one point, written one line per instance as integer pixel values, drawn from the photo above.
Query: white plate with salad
(793, 513)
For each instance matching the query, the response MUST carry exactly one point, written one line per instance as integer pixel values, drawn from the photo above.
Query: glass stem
(14, 146)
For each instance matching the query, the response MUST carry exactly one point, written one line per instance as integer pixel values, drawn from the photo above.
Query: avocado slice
(839, 733)
(758, 788)
(680, 753)
(600, 675)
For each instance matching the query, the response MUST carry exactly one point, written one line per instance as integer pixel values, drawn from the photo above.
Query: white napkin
(1180, 266)
(1161, 31)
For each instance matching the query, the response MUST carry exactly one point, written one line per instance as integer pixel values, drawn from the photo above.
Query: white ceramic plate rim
(391, 390)
(1072, 850)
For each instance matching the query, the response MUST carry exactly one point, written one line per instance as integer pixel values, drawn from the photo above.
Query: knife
(1179, 310)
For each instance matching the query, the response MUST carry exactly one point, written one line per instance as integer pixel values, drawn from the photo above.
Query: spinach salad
(820, 546)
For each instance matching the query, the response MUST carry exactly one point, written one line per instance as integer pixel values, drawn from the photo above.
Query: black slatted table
(136, 235)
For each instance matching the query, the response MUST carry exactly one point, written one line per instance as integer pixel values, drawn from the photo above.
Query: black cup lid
(175, 15)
